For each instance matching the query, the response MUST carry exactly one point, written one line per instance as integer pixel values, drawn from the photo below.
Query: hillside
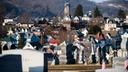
(49, 8)
(111, 7)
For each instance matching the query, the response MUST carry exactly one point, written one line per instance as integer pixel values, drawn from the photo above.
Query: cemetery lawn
(76, 67)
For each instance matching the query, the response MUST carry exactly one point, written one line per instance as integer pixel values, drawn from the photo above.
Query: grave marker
(31, 60)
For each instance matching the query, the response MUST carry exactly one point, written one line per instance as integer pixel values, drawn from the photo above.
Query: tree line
(97, 12)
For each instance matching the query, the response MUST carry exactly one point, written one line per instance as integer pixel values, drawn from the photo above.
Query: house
(90, 14)
(110, 26)
(25, 25)
(42, 20)
(6, 21)
(86, 18)
(126, 21)
(97, 21)
(126, 16)
(76, 19)
(117, 19)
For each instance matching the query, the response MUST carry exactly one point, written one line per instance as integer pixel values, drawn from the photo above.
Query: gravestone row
(118, 66)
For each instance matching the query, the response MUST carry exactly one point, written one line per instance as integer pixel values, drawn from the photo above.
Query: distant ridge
(50, 8)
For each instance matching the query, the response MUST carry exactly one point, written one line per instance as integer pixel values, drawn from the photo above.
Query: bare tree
(24, 17)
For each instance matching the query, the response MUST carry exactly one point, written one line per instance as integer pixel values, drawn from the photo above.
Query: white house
(10, 32)
(7, 20)
(85, 18)
(126, 21)
(76, 19)
(25, 25)
(117, 19)
(110, 26)
(126, 16)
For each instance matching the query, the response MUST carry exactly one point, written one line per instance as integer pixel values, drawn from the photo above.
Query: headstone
(62, 59)
(31, 60)
(69, 53)
(118, 62)
(118, 66)
(10, 63)
(62, 56)
(123, 45)
(28, 46)
(5, 47)
(111, 70)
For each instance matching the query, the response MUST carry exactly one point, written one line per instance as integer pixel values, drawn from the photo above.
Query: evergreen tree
(121, 14)
(79, 10)
(94, 29)
(97, 12)
(2, 13)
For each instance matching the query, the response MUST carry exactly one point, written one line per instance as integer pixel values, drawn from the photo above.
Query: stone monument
(23, 61)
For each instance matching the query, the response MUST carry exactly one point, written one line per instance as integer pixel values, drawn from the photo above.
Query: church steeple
(66, 8)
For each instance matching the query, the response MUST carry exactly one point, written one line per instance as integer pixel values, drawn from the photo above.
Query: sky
(98, 1)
